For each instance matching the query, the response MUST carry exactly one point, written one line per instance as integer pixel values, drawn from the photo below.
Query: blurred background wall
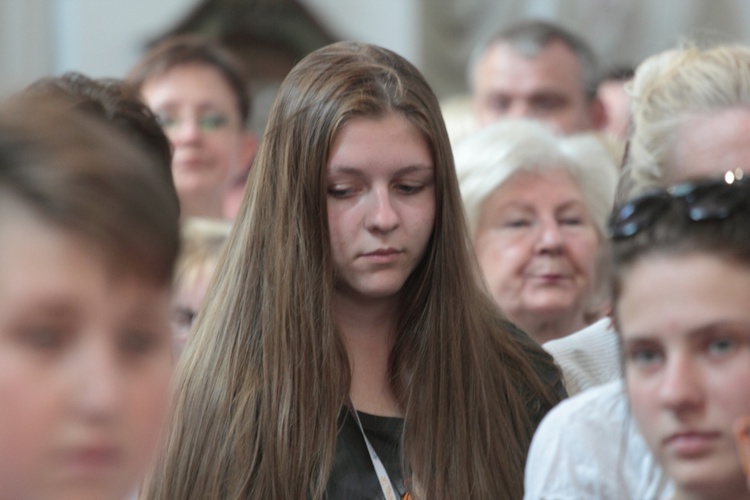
(105, 37)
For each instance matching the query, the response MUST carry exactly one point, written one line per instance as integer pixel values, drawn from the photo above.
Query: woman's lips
(88, 460)
(550, 278)
(382, 255)
(687, 444)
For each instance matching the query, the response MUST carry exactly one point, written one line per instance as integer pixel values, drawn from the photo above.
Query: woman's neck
(367, 330)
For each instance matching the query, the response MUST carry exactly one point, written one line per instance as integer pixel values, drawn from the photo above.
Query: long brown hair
(265, 376)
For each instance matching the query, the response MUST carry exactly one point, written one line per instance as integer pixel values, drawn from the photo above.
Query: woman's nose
(382, 214)
(549, 238)
(184, 132)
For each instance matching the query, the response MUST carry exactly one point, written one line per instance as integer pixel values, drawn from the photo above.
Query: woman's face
(685, 326)
(537, 246)
(198, 112)
(85, 364)
(381, 204)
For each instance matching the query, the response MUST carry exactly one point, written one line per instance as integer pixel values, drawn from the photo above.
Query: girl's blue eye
(644, 357)
(720, 346)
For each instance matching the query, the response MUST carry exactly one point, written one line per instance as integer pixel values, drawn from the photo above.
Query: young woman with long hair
(347, 311)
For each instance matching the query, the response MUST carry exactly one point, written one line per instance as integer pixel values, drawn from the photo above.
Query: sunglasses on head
(711, 199)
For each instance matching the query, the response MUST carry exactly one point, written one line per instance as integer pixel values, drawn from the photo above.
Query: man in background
(537, 70)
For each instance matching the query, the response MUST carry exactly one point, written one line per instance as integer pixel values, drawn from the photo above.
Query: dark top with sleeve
(353, 475)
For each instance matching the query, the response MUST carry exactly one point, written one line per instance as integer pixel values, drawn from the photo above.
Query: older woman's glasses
(714, 199)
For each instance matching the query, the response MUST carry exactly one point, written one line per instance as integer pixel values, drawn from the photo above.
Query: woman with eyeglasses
(691, 118)
(198, 92)
(681, 286)
(348, 349)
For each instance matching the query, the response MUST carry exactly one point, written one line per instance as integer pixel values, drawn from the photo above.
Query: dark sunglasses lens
(637, 215)
(713, 201)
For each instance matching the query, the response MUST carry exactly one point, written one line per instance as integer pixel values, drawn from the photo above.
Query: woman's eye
(517, 223)
(166, 121)
(720, 346)
(409, 188)
(340, 192)
(571, 221)
(211, 122)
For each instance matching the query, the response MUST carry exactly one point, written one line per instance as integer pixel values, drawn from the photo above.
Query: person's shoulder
(572, 449)
(588, 357)
(584, 421)
(606, 400)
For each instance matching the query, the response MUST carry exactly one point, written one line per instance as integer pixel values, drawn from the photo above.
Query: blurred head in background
(198, 92)
(537, 205)
(537, 70)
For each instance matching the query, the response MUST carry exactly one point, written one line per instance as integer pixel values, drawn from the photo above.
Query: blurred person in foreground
(88, 240)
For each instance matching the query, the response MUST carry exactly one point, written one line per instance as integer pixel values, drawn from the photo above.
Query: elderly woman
(537, 205)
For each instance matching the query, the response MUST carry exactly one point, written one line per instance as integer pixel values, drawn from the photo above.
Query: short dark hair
(80, 174)
(184, 50)
(112, 101)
